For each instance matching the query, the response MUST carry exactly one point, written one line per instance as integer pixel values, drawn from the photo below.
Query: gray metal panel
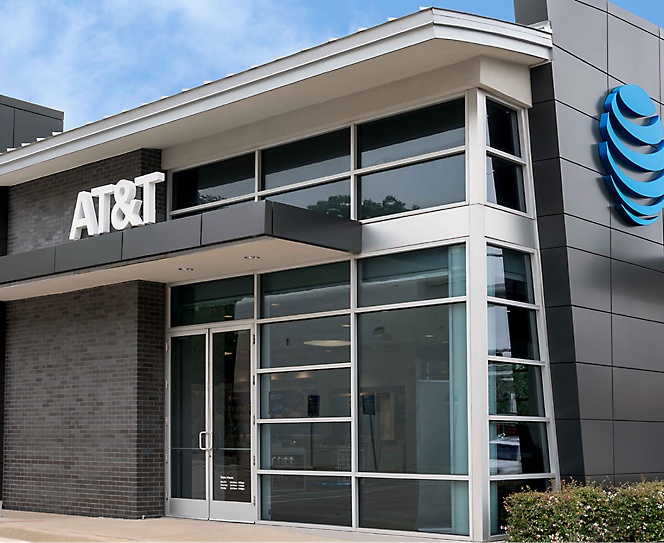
(84, 253)
(27, 265)
(578, 134)
(580, 30)
(594, 385)
(629, 17)
(588, 236)
(634, 56)
(238, 222)
(597, 438)
(541, 82)
(589, 280)
(33, 108)
(30, 126)
(637, 251)
(548, 187)
(599, 4)
(555, 277)
(661, 66)
(565, 392)
(622, 478)
(637, 343)
(578, 84)
(560, 329)
(638, 395)
(637, 292)
(544, 132)
(570, 447)
(297, 224)
(527, 12)
(585, 194)
(6, 128)
(652, 232)
(592, 336)
(638, 447)
(163, 237)
(551, 231)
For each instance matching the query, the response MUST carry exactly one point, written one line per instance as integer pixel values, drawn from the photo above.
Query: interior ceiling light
(328, 342)
(186, 269)
(252, 257)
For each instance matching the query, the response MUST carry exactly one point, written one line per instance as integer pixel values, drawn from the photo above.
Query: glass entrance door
(210, 426)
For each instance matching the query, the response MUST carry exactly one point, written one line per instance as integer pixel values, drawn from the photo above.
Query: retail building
(375, 285)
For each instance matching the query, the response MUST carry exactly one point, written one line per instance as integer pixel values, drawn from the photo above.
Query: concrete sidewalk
(26, 526)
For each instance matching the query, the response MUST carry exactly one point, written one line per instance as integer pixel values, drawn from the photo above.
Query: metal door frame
(201, 509)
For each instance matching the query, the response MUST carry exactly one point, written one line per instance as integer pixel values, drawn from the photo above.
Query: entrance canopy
(235, 240)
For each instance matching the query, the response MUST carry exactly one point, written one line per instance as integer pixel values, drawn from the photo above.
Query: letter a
(84, 217)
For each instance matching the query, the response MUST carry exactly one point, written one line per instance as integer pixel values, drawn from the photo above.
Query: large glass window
(504, 182)
(502, 128)
(417, 275)
(331, 198)
(509, 275)
(214, 182)
(306, 290)
(518, 447)
(515, 389)
(410, 134)
(213, 301)
(412, 187)
(412, 385)
(501, 489)
(306, 159)
(512, 332)
(427, 506)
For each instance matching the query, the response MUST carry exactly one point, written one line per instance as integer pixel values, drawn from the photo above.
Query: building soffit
(395, 50)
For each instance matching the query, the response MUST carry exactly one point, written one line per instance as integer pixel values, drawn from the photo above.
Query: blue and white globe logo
(633, 145)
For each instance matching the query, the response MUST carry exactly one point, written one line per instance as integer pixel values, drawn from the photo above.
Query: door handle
(200, 441)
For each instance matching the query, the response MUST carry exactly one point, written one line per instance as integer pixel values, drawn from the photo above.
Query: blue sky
(93, 58)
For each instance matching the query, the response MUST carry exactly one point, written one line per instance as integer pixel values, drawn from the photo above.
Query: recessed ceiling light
(186, 269)
(429, 335)
(252, 257)
(328, 342)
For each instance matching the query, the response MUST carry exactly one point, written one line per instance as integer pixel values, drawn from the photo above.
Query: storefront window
(515, 389)
(502, 128)
(306, 290)
(417, 186)
(427, 506)
(509, 275)
(412, 391)
(306, 159)
(417, 275)
(504, 182)
(331, 198)
(213, 301)
(518, 447)
(512, 332)
(411, 134)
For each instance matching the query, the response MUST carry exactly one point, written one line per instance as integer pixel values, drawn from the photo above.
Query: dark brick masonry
(84, 422)
(40, 211)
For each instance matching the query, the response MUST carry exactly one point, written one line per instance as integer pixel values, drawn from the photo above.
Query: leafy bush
(633, 512)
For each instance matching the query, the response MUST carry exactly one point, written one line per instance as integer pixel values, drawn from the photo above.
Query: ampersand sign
(126, 208)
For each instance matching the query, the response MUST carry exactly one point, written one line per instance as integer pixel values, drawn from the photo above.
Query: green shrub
(632, 512)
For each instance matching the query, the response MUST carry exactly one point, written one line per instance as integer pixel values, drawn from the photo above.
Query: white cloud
(95, 58)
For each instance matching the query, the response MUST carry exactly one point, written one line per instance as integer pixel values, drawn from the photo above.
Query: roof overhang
(252, 237)
(395, 50)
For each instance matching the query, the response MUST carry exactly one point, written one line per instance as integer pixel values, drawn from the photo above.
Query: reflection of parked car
(505, 455)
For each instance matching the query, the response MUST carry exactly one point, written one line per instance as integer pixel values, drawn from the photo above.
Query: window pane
(500, 490)
(412, 382)
(509, 275)
(504, 183)
(411, 134)
(213, 301)
(515, 389)
(302, 394)
(302, 498)
(301, 343)
(502, 128)
(323, 446)
(214, 182)
(512, 332)
(417, 186)
(416, 506)
(306, 290)
(331, 199)
(518, 447)
(416, 275)
(306, 159)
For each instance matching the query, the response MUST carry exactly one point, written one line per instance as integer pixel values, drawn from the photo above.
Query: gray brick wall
(40, 211)
(84, 399)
